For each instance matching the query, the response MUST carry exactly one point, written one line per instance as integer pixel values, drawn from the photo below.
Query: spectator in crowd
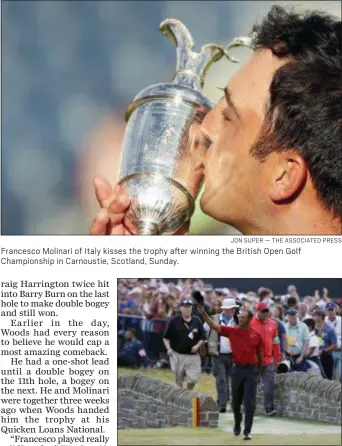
(327, 342)
(268, 330)
(246, 302)
(252, 295)
(312, 355)
(171, 306)
(292, 292)
(298, 339)
(291, 303)
(220, 349)
(147, 304)
(278, 312)
(159, 310)
(132, 354)
(247, 352)
(302, 311)
(334, 321)
(281, 334)
(216, 308)
(128, 303)
(265, 295)
(320, 302)
(339, 307)
(183, 338)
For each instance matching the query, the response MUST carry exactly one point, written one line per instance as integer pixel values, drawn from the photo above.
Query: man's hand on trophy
(114, 203)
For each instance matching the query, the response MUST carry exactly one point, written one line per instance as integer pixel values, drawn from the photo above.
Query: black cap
(186, 302)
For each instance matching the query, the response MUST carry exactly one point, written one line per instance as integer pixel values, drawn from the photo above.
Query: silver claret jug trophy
(163, 149)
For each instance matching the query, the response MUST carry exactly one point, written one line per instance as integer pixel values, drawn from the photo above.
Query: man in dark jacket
(132, 353)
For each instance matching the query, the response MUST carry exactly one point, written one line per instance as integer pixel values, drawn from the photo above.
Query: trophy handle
(191, 66)
(240, 41)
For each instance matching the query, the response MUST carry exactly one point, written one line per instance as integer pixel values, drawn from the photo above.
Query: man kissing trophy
(162, 155)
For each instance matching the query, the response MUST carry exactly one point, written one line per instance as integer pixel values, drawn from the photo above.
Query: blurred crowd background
(69, 70)
(147, 304)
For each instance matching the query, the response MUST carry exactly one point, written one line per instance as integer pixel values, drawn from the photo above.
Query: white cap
(225, 291)
(135, 290)
(228, 304)
(164, 289)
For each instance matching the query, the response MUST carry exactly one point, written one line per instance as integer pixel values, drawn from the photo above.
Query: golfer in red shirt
(247, 352)
(268, 330)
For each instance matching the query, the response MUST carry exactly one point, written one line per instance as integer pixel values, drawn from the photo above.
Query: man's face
(292, 319)
(128, 335)
(331, 313)
(292, 290)
(230, 312)
(263, 315)
(243, 319)
(186, 310)
(236, 183)
(317, 320)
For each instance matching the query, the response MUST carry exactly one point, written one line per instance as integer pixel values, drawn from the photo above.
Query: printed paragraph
(55, 341)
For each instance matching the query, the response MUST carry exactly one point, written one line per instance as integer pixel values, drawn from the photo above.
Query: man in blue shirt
(281, 334)
(128, 304)
(327, 342)
(298, 338)
(132, 353)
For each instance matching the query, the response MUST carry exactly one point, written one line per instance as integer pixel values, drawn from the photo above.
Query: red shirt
(268, 331)
(244, 343)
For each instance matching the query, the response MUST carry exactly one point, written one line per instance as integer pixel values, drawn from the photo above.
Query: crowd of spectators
(155, 298)
(146, 304)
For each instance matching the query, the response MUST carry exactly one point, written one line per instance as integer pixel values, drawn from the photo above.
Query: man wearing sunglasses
(183, 337)
(268, 330)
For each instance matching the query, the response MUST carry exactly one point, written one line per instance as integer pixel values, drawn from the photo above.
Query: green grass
(205, 436)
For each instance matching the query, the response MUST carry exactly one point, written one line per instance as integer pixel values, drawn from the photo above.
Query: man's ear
(290, 176)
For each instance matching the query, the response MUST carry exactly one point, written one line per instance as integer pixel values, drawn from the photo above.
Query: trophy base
(142, 227)
(159, 205)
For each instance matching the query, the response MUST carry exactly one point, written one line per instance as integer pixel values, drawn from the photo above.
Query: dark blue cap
(292, 311)
(330, 306)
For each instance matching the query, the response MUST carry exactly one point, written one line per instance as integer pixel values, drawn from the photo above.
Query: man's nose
(210, 125)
